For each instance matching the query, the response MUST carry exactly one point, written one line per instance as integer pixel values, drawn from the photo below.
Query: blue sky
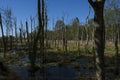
(23, 9)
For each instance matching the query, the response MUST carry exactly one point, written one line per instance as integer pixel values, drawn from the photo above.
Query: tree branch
(91, 3)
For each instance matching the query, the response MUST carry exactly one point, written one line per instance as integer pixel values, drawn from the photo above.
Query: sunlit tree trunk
(99, 37)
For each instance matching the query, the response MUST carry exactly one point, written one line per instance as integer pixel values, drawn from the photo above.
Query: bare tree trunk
(16, 39)
(99, 37)
(63, 35)
(33, 54)
(65, 40)
(79, 40)
(10, 42)
(46, 22)
(3, 38)
(31, 27)
(42, 39)
(116, 52)
(28, 41)
(20, 35)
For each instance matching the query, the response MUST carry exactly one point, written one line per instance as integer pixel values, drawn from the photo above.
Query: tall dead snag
(39, 35)
(3, 38)
(15, 24)
(27, 35)
(31, 19)
(65, 40)
(79, 38)
(20, 35)
(42, 39)
(32, 55)
(99, 37)
(46, 22)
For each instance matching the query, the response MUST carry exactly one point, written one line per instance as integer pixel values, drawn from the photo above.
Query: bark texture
(99, 37)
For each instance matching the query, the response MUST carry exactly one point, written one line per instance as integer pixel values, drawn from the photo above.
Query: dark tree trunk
(116, 52)
(65, 41)
(15, 23)
(42, 40)
(11, 40)
(118, 34)
(3, 38)
(46, 22)
(28, 41)
(16, 38)
(33, 54)
(20, 35)
(99, 37)
(63, 36)
(79, 37)
(31, 28)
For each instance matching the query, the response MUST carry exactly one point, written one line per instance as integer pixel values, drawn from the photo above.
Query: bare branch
(91, 3)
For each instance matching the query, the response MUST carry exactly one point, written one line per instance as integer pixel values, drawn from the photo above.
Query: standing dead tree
(32, 55)
(28, 44)
(15, 25)
(20, 35)
(79, 38)
(46, 28)
(43, 57)
(39, 35)
(31, 19)
(99, 37)
(3, 38)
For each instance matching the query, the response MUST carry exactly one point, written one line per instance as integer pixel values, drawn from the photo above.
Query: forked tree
(39, 35)
(99, 37)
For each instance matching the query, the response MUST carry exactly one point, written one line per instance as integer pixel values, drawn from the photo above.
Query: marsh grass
(56, 57)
